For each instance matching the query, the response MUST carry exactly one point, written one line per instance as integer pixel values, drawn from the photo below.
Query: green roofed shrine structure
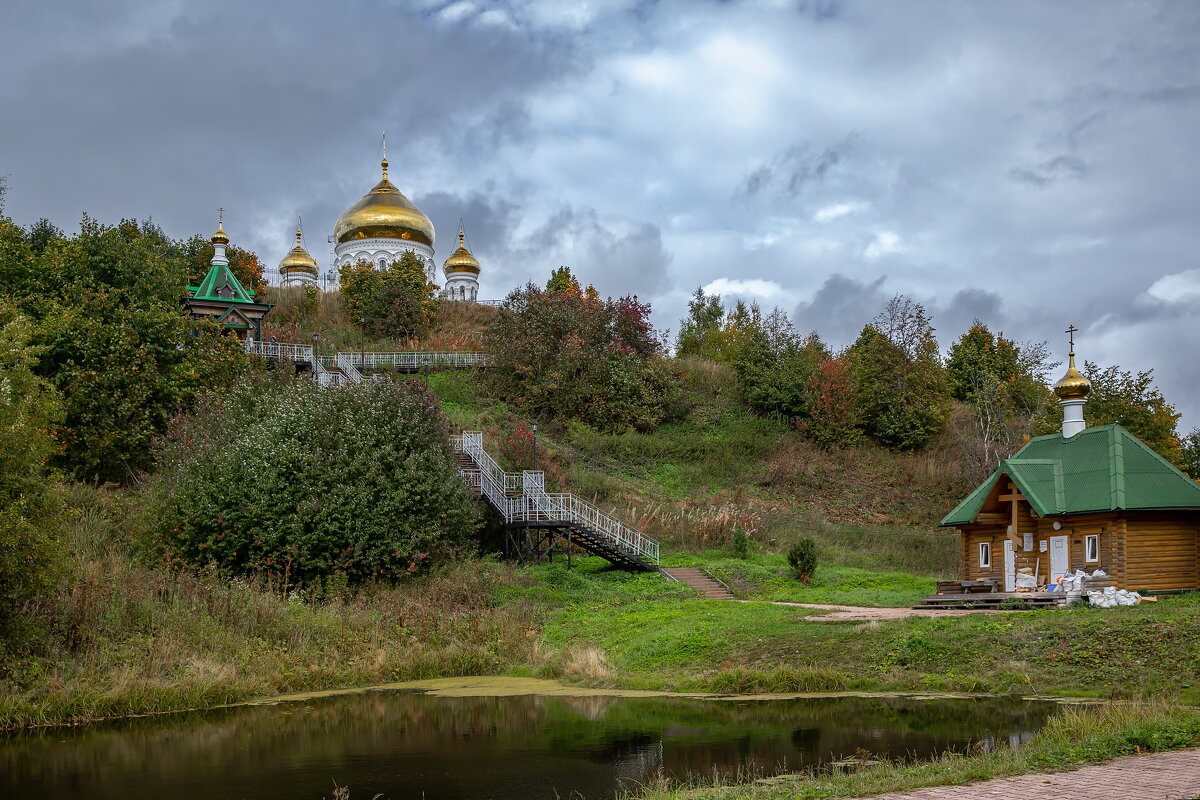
(222, 298)
(1083, 499)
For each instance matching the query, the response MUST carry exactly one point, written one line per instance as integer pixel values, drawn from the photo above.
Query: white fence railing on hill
(533, 504)
(350, 362)
(418, 359)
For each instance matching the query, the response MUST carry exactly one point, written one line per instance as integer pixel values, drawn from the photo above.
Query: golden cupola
(1073, 385)
(384, 213)
(298, 259)
(219, 237)
(461, 259)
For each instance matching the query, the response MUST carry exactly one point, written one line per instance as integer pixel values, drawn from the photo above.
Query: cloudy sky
(1031, 164)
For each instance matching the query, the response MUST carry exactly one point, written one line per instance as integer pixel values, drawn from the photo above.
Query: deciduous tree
(30, 507)
(901, 384)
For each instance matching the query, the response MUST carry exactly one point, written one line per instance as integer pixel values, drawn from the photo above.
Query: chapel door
(1058, 557)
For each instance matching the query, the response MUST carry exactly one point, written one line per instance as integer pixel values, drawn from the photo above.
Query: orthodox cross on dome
(220, 216)
(1071, 331)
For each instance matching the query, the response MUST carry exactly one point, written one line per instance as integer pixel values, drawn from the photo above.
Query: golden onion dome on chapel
(461, 259)
(298, 259)
(1073, 385)
(219, 237)
(384, 213)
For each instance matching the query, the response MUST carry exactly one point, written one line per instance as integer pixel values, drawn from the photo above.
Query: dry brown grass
(122, 637)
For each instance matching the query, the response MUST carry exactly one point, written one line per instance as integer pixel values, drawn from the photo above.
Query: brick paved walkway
(1158, 776)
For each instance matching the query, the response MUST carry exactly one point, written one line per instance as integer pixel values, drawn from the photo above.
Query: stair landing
(700, 581)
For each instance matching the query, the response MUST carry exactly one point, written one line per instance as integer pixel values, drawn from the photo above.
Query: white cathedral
(378, 229)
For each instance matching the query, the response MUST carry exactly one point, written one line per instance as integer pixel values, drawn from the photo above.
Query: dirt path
(867, 613)
(1157, 776)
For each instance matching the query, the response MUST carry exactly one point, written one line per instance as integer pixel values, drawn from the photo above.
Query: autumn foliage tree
(564, 354)
(830, 397)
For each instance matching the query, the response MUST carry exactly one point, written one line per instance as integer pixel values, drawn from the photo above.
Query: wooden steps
(992, 600)
(701, 581)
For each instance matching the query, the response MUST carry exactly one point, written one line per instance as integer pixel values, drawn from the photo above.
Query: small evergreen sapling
(802, 558)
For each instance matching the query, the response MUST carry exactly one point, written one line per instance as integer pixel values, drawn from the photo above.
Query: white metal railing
(350, 362)
(415, 359)
(348, 369)
(472, 445)
(292, 352)
(533, 504)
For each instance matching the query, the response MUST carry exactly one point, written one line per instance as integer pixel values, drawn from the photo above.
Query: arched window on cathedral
(383, 263)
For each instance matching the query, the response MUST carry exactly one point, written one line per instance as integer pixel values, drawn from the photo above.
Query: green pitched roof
(1105, 468)
(218, 277)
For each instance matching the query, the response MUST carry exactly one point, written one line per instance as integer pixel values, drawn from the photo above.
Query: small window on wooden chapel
(985, 555)
(1091, 547)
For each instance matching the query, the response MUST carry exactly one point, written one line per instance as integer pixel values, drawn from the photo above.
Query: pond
(405, 744)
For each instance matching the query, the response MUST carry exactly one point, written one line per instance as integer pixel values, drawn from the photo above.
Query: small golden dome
(461, 259)
(1073, 386)
(384, 213)
(298, 260)
(219, 237)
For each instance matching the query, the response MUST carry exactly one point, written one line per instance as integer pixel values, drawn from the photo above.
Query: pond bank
(502, 686)
(1073, 738)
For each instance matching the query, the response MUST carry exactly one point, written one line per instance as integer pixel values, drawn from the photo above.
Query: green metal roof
(1105, 468)
(218, 277)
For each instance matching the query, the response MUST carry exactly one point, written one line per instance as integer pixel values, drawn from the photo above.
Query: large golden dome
(461, 259)
(298, 260)
(384, 213)
(1073, 385)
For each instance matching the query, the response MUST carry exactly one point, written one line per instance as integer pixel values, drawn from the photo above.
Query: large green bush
(293, 482)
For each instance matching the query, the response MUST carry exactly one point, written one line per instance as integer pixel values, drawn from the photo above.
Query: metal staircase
(536, 522)
(523, 503)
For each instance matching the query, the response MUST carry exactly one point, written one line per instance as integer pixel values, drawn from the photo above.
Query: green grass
(655, 635)
(1071, 738)
(766, 576)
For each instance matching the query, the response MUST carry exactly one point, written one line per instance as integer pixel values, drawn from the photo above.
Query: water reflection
(407, 745)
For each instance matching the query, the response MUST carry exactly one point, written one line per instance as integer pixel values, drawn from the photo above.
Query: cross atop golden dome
(1073, 385)
(298, 259)
(384, 213)
(461, 259)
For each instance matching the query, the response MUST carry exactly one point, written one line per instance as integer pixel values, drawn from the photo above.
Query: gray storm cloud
(1020, 162)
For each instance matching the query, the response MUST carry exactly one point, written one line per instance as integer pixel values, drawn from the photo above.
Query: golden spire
(384, 163)
(461, 259)
(1073, 385)
(298, 259)
(219, 237)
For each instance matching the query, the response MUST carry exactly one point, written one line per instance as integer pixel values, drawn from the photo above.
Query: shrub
(802, 558)
(740, 543)
(30, 507)
(294, 482)
(573, 356)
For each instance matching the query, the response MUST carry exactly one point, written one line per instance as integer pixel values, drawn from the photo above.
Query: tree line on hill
(892, 384)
